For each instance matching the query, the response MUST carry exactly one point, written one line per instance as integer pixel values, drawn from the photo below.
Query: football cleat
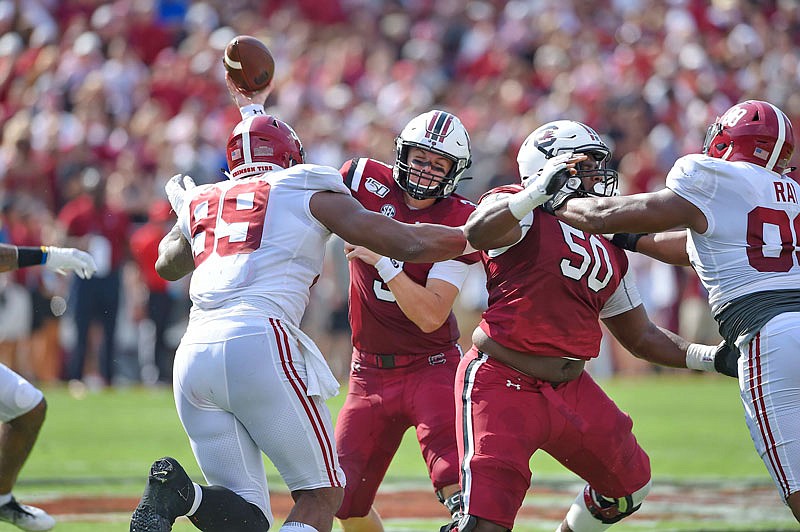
(26, 517)
(169, 494)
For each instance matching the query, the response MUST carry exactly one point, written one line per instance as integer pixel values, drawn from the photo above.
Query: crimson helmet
(441, 133)
(262, 144)
(752, 131)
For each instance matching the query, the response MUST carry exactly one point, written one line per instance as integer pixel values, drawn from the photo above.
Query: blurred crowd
(102, 101)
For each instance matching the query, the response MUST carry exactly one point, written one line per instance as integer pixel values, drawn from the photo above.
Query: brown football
(249, 63)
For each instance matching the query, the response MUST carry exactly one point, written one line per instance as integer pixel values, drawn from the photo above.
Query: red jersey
(80, 217)
(144, 249)
(378, 323)
(546, 292)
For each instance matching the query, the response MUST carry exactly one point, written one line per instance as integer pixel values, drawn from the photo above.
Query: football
(249, 63)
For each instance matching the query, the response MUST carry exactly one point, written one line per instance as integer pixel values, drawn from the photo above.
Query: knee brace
(591, 506)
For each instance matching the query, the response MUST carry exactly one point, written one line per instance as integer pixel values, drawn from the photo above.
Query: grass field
(691, 425)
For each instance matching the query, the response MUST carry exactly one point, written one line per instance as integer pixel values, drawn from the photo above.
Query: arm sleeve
(451, 271)
(625, 298)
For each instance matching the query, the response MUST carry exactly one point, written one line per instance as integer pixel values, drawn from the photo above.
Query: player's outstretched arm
(175, 258)
(669, 247)
(61, 260)
(346, 217)
(652, 212)
(492, 225)
(647, 341)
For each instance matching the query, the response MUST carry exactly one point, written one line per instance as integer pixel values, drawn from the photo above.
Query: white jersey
(751, 244)
(256, 246)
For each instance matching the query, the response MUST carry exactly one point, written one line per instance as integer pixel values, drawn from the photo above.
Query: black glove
(627, 240)
(558, 200)
(558, 181)
(726, 360)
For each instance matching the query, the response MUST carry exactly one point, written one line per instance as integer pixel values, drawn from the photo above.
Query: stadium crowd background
(128, 93)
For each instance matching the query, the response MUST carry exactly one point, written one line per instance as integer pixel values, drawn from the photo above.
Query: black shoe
(169, 493)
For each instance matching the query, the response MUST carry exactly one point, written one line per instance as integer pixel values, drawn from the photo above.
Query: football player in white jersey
(22, 405)
(246, 378)
(741, 211)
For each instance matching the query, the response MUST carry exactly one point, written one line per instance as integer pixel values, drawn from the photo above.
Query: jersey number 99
(228, 222)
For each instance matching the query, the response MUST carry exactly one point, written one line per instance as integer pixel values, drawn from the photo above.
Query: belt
(389, 361)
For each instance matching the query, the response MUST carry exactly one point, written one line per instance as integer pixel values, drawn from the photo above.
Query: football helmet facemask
(260, 144)
(565, 136)
(441, 133)
(753, 131)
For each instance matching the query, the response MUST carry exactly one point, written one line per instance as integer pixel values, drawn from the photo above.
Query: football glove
(63, 260)
(726, 360)
(539, 188)
(176, 189)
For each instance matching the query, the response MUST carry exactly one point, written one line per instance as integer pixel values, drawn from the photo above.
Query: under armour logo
(355, 367)
(510, 384)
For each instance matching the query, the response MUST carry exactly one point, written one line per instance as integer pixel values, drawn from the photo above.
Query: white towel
(321, 381)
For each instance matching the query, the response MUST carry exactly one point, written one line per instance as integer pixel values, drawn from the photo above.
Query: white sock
(294, 526)
(5, 498)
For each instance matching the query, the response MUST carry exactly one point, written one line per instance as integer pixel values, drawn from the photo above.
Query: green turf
(690, 424)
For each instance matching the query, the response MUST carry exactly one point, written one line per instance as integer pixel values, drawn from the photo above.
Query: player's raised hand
(540, 187)
(176, 189)
(63, 260)
(241, 98)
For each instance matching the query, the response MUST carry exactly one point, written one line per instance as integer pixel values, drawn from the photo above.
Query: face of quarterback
(426, 168)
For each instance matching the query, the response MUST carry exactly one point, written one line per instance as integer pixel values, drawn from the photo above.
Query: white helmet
(441, 133)
(565, 136)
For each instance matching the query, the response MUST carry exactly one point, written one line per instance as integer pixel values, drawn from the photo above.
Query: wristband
(521, 203)
(701, 357)
(31, 256)
(253, 109)
(627, 241)
(387, 269)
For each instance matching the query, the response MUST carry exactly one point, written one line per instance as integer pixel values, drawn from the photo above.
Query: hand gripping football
(249, 63)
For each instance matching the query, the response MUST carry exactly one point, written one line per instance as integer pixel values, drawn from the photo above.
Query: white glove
(63, 260)
(176, 189)
(540, 188)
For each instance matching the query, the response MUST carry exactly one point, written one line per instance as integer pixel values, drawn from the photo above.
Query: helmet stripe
(439, 126)
(776, 152)
(248, 155)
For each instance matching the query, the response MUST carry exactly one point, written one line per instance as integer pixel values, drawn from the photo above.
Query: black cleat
(169, 493)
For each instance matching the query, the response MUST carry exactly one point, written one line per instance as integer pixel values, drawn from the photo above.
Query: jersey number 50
(230, 221)
(591, 253)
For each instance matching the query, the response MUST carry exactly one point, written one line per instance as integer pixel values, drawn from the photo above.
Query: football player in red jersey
(522, 387)
(405, 350)
(741, 209)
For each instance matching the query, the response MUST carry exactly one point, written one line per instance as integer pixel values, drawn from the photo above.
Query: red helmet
(753, 131)
(262, 144)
